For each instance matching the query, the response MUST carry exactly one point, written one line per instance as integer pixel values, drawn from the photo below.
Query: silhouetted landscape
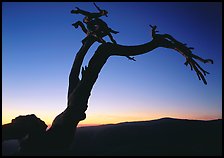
(166, 136)
(26, 135)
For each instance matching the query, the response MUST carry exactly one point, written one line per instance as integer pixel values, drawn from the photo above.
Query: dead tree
(80, 89)
(61, 134)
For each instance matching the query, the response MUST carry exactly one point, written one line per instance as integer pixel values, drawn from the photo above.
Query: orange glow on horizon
(88, 122)
(95, 119)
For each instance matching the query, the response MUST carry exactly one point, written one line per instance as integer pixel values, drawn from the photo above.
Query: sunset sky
(39, 45)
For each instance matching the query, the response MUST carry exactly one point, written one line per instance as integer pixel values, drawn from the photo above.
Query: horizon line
(101, 124)
(95, 125)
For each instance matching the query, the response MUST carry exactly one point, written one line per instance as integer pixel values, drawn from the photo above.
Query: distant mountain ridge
(161, 137)
(165, 136)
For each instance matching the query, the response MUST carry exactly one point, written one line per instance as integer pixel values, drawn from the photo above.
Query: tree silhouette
(80, 89)
(59, 136)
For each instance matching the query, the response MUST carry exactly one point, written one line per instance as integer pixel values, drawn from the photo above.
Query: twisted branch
(80, 89)
(186, 52)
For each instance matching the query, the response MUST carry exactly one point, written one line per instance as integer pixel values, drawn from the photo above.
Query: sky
(39, 44)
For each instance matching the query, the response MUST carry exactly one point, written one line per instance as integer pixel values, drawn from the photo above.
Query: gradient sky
(39, 45)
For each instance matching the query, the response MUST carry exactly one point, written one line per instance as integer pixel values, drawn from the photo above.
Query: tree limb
(80, 90)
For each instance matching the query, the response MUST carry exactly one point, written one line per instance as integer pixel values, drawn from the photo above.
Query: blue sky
(39, 45)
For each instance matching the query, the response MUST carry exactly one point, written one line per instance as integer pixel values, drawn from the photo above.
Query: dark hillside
(165, 136)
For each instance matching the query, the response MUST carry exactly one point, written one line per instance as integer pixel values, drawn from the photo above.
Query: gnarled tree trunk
(80, 89)
(61, 134)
